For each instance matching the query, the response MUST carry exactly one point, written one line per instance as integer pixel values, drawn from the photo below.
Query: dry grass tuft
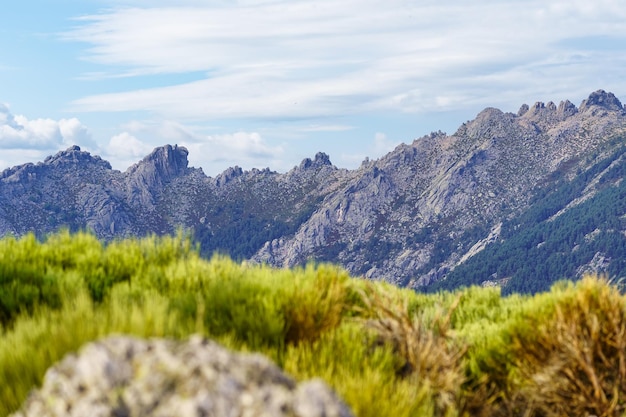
(429, 355)
(570, 356)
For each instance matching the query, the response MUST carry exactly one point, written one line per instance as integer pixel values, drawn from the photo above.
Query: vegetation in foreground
(386, 351)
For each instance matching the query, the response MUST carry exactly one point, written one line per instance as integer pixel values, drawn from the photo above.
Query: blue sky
(262, 83)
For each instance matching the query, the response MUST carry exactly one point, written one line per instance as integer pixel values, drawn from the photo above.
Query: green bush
(563, 353)
(387, 351)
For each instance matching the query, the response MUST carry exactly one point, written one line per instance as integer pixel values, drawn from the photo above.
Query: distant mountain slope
(235, 213)
(445, 210)
(572, 227)
(419, 211)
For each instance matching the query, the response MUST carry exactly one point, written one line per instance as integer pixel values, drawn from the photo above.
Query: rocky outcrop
(146, 179)
(124, 376)
(73, 189)
(227, 176)
(409, 217)
(602, 99)
(321, 159)
(393, 219)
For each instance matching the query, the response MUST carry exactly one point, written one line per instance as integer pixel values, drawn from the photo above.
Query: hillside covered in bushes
(386, 351)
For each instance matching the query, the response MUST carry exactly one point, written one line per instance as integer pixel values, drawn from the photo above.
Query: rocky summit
(123, 376)
(412, 217)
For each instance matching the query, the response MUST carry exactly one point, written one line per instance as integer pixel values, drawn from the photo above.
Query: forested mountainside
(508, 199)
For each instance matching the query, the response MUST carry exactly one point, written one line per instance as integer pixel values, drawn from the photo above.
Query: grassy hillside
(386, 351)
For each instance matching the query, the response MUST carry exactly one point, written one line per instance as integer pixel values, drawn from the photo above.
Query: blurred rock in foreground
(124, 376)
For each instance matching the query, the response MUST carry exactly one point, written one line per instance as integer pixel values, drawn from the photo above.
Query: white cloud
(18, 132)
(6, 118)
(304, 58)
(124, 150)
(277, 78)
(23, 140)
(250, 143)
(13, 157)
(213, 152)
(245, 149)
(73, 132)
(125, 145)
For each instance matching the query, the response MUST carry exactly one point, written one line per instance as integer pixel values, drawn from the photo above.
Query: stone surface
(128, 377)
(383, 220)
(446, 185)
(602, 99)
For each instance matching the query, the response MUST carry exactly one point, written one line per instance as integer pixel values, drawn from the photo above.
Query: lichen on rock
(124, 376)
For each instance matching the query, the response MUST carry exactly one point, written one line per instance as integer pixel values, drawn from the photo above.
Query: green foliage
(253, 215)
(385, 350)
(316, 300)
(427, 354)
(562, 353)
(536, 250)
(362, 373)
(37, 341)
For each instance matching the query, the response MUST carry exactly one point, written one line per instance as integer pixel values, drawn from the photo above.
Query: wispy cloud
(326, 128)
(125, 149)
(307, 59)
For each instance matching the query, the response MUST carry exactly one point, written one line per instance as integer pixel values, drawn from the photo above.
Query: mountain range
(517, 200)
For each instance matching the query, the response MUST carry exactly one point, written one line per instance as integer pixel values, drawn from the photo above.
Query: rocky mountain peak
(602, 99)
(393, 218)
(540, 110)
(146, 178)
(485, 122)
(163, 164)
(547, 115)
(168, 161)
(69, 159)
(566, 108)
(321, 159)
(522, 110)
(74, 155)
(228, 176)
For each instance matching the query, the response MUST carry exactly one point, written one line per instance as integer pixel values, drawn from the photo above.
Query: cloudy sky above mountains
(266, 83)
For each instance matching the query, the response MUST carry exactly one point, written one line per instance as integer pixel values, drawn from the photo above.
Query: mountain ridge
(410, 217)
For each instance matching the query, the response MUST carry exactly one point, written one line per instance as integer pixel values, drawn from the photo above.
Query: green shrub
(26, 279)
(315, 302)
(363, 374)
(428, 354)
(37, 341)
(387, 351)
(564, 353)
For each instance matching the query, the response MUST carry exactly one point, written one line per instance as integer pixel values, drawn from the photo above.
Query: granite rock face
(409, 217)
(124, 376)
(393, 219)
(147, 178)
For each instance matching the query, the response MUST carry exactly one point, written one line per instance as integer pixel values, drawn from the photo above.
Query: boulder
(124, 376)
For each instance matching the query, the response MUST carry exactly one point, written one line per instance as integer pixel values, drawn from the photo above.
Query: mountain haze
(431, 213)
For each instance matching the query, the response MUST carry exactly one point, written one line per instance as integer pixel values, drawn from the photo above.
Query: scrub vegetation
(387, 351)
